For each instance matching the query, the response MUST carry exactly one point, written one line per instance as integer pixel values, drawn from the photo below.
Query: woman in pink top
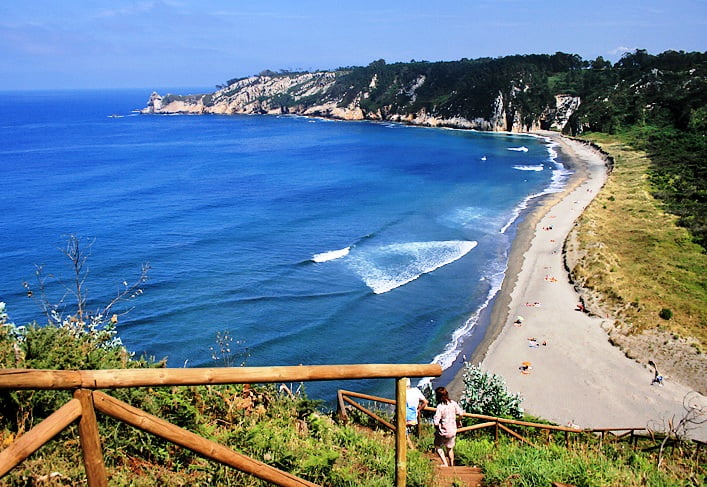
(445, 422)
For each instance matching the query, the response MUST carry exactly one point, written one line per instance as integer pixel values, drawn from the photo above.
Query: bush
(665, 313)
(284, 431)
(486, 393)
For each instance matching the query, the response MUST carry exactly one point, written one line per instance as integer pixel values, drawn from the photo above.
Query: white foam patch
(391, 266)
(454, 347)
(538, 167)
(331, 255)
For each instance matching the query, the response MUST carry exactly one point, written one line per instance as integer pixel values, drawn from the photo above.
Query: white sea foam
(391, 266)
(536, 167)
(560, 174)
(452, 350)
(522, 148)
(517, 211)
(331, 255)
(559, 179)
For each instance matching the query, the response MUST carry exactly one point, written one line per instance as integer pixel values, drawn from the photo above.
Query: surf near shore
(575, 375)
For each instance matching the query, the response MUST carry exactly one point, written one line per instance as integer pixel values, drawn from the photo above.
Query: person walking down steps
(415, 402)
(445, 421)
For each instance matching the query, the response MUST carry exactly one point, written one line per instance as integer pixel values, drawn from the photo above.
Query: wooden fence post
(341, 407)
(400, 432)
(90, 440)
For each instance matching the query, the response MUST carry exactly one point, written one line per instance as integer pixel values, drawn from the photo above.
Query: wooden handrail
(369, 397)
(87, 400)
(369, 413)
(119, 378)
(33, 440)
(491, 421)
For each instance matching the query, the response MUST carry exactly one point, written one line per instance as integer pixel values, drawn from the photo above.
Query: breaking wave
(538, 167)
(331, 255)
(388, 267)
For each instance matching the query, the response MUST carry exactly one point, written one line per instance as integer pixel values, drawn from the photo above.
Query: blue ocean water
(308, 241)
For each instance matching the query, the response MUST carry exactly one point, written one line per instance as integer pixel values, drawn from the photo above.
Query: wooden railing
(499, 424)
(87, 399)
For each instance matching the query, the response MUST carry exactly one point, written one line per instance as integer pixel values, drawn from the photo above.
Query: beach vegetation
(288, 431)
(587, 463)
(486, 393)
(665, 313)
(635, 248)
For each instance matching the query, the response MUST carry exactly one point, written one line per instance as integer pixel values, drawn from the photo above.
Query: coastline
(578, 377)
(499, 309)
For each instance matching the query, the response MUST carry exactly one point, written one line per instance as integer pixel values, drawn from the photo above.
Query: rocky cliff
(428, 94)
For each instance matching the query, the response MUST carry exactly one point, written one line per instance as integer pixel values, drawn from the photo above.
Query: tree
(679, 429)
(486, 393)
(80, 318)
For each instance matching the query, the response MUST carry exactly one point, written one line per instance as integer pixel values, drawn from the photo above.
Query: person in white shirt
(415, 402)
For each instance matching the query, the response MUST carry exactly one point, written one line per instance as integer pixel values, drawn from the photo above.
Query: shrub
(486, 393)
(666, 313)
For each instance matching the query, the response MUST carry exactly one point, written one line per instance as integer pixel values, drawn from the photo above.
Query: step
(469, 476)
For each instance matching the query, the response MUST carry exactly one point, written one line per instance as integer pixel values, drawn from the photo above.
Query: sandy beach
(575, 374)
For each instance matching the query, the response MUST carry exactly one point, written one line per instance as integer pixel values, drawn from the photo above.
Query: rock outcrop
(327, 94)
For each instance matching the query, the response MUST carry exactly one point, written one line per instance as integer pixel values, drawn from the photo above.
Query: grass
(290, 433)
(584, 464)
(637, 257)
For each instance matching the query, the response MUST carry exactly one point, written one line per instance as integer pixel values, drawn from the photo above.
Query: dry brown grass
(632, 254)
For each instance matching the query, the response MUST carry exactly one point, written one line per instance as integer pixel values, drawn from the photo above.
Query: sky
(92, 44)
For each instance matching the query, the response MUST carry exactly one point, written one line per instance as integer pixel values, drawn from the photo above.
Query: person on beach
(445, 421)
(415, 402)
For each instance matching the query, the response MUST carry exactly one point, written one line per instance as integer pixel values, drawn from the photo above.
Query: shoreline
(491, 323)
(579, 377)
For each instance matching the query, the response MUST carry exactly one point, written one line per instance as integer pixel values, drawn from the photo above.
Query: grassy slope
(633, 255)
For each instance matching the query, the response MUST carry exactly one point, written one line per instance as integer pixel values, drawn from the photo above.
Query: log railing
(499, 424)
(87, 399)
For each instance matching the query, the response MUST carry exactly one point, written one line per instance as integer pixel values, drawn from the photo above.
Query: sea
(271, 240)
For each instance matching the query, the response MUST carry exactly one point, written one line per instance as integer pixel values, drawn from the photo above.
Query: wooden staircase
(468, 476)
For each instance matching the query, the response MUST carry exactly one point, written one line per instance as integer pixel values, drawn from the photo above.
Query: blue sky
(182, 43)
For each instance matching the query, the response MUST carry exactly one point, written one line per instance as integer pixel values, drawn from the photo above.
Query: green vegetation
(678, 170)
(281, 430)
(486, 393)
(586, 463)
(635, 255)
(466, 88)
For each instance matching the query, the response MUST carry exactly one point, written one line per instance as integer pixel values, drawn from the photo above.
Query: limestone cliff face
(326, 94)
